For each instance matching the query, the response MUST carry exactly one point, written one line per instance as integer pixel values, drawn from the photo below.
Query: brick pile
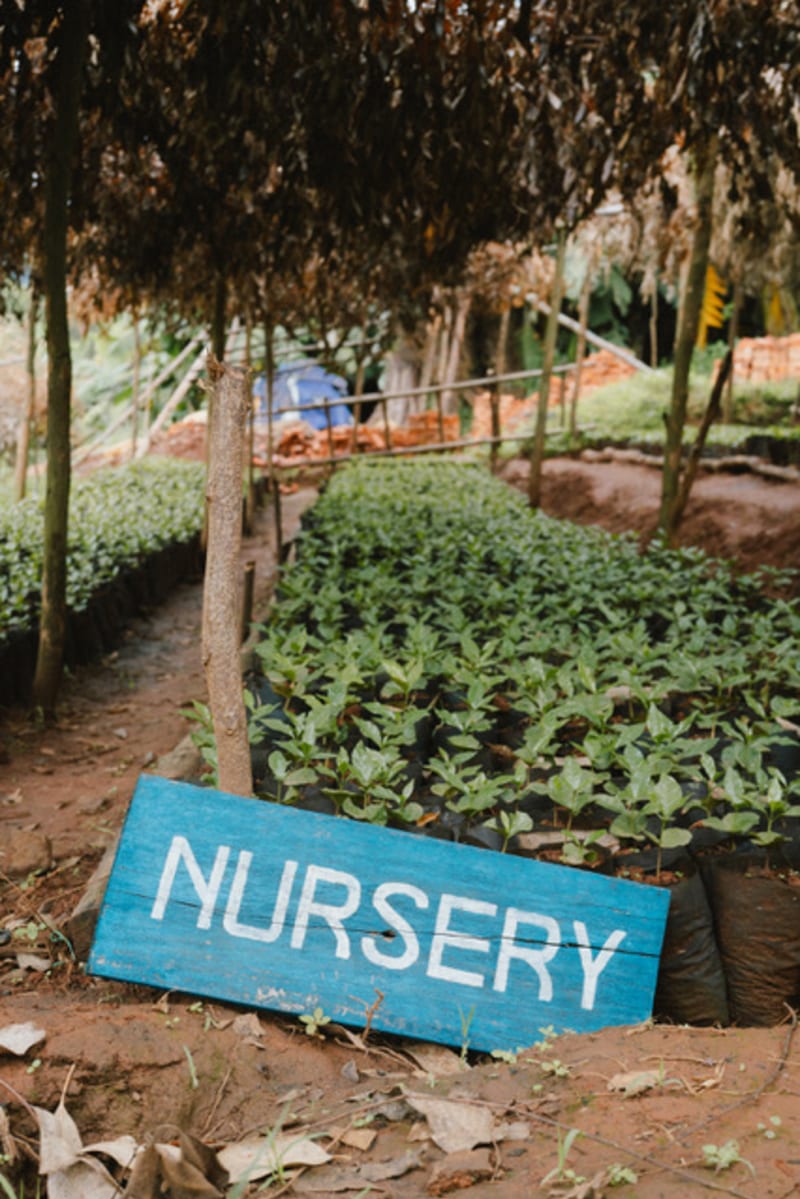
(767, 359)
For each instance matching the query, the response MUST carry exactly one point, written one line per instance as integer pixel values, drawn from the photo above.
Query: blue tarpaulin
(298, 386)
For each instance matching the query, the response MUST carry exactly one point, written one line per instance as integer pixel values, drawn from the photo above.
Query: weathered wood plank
(267, 906)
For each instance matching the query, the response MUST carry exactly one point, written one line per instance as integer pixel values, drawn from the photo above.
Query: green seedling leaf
(659, 726)
(673, 838)
(736, 824)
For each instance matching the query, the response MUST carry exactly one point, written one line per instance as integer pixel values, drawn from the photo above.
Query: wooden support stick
(709, 416)
(221, 600)
(248, 587)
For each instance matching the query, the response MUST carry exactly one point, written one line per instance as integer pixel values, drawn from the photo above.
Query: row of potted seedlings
(445, 661)
(133, 532)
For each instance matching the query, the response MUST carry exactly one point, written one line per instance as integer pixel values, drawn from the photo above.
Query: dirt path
(130, 1060)
(119, 715)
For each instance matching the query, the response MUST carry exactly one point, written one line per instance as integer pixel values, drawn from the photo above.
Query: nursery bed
(445, 661)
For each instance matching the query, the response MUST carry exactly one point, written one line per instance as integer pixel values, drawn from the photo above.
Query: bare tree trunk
(499, 369)
(429, 354)
(654, 326)
(450, 398)
(57, 186)
(401, 375)
(551, 332)
(733, 334)
(709, 416)
(580, 353)
(250, 503)
(218, 348)
(221, 589)
(274, 484)
(688, 322)
(361, 367)
(29, 410)
(218, 321)
(444, 342)
(137, 370)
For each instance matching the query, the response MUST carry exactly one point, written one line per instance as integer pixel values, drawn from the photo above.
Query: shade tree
(58, 68)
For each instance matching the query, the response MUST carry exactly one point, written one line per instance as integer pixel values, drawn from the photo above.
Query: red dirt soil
(123, 1056)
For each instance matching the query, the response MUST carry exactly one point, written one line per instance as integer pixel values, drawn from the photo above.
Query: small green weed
(314, 1022)
(562, 1172)
(722, 1157)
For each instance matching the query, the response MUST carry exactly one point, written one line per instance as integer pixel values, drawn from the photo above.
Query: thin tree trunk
(431, 345)
(274, 484)
(57, 186)
(499, 369)
(709, 416)
(29, 410)
(654, 326)
(733, 334)
(218, 348)
(250, 504)
(580, 353)
(221, 588)
(361, 367)
(551, 332)
(688, 322)
(218, 322)
(444, 343)
(137, 370)
(449, 398)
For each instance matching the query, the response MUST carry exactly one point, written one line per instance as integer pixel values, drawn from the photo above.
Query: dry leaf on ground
(455, 1126)
(636, 1082)
(458, 1171)
(60, 1144)
(19, 1038)
(333, 1179)
(259, 1157)
(437, 1059)
(84, 1180)
(72, 1173)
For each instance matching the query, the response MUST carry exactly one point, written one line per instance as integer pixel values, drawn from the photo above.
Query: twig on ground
(752, 1096)
(207, 1128)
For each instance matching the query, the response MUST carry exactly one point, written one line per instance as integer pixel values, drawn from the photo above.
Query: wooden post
(274, 484)
(709, 416)
(654, 325)
(29, 410)
(431, 346)
(537, 452)
(63, 139)
(329, 427)
(580, 352)
(562, 399)
(137, 370)
(250, 501)
(444, 343)
(248, 589)
(387, 430)
(705, 161)
(440, 415)
(733, 333)
(499, 369)
(360, 372)
(463, 305)
(221, 599)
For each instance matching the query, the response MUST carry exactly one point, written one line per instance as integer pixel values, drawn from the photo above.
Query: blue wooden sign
(271, 907)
